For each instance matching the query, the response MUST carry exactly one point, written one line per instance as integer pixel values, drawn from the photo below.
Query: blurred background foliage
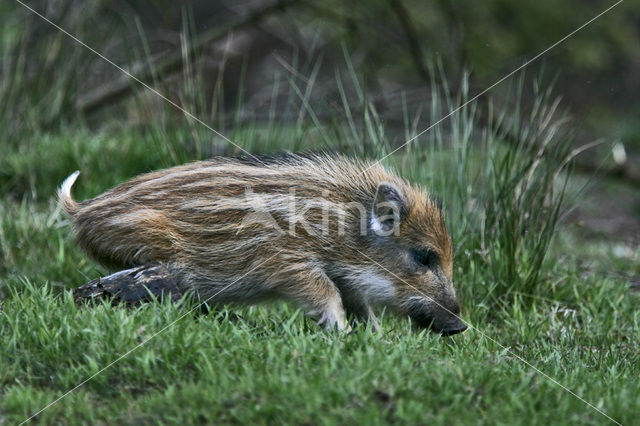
(390, 43)
(260, 61)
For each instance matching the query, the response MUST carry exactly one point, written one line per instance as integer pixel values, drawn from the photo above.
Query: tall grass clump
(42, 69)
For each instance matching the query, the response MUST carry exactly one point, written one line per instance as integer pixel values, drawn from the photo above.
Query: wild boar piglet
(335, 235)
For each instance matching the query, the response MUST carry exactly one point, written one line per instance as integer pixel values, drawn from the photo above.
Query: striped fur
(305, 228)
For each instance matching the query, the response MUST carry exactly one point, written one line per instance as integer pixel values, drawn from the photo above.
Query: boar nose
(442, 317)
(449, 322)
(455, 327)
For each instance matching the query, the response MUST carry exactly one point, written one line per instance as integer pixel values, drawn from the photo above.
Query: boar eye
(425, 257)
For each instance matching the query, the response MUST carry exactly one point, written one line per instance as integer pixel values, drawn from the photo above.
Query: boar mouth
(430, 315)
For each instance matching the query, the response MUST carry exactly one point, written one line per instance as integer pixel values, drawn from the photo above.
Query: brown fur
(193, 218)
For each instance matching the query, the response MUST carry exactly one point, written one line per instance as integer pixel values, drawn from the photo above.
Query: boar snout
(440, 317)
(454, 327)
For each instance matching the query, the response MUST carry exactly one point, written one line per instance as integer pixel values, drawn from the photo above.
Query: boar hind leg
(319, 297)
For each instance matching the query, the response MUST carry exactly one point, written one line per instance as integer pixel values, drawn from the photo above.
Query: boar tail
(65, 201)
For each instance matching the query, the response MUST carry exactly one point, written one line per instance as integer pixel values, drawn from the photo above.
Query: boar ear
(389, 209)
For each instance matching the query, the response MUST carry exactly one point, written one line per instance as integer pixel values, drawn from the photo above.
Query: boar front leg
(361, 312)
(319, 297)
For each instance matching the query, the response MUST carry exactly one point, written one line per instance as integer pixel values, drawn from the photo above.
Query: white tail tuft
(64, 194)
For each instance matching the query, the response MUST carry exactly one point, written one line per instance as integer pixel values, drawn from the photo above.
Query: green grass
(270, 364)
